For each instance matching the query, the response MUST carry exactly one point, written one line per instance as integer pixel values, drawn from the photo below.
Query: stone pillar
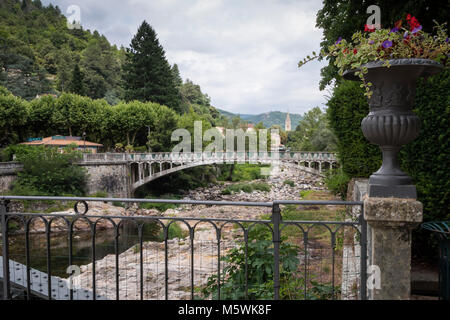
(320, 166)
(391, 221)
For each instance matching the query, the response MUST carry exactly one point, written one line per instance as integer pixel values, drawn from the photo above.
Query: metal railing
(211, 156)
(23, 224)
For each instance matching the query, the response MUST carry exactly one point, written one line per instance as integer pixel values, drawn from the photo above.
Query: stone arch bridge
(120, 174)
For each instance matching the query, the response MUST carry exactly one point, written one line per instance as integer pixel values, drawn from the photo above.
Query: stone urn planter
(391, 122)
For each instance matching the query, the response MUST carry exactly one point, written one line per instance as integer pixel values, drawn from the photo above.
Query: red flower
(345, 50)
(398, 24)
(413, 23)
(408, 17)
(355, 51)
(369, 27)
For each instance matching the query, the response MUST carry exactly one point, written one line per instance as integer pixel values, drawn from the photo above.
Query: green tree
(147, 74)
(313, 133)
(76, 114)
(13, 115)
(76, 84)
(46, 171)
(128, 118)
(40, 110)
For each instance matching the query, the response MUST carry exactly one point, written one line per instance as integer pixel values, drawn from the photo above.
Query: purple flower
(387, 44)
(416, 29)
(405, 34)
(446, 40)
(371, 42)
(338, 40)
(394, 30)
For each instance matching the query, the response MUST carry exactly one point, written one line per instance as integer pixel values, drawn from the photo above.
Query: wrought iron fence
(273, 257)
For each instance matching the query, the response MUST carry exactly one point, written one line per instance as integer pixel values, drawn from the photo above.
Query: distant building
(63, 141)
(287, 123)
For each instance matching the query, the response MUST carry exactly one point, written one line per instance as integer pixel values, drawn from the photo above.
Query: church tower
(287, 123)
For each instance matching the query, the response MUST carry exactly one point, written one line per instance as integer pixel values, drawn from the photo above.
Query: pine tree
(176, 76)
(147, 73)
(76, 84)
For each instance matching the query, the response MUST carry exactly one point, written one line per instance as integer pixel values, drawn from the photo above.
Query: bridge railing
(197, 263)
(210, 156)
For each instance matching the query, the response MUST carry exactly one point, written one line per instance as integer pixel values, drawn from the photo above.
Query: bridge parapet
(210, 156)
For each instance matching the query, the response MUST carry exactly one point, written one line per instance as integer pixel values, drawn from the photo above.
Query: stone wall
(6, 182)
(113, 178)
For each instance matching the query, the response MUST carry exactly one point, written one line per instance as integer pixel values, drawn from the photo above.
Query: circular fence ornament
(86, 208)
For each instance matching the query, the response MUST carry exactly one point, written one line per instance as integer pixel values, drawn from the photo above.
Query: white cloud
(243, 53)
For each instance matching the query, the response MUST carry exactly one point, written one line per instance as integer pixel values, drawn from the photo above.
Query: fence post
(5, 250)
(276, 220)
(391, 221)
(363, 256)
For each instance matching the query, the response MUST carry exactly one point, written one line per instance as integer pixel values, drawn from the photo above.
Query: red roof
(62, 141)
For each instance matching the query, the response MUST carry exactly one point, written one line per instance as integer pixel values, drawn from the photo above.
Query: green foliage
(38, 53)
(160, 206)
(99, 194)
(259, 269)
(48, 172)
(246, 187)
(241, 172)
(76, 85)
(426, 159)
(386, 44)
(337, 183)
(289, 183)
(341, 18)
(346, 109)
(147, 74)
(174, 231)
(305, 194)
(255, 263)
(312, 133)
(13, 115)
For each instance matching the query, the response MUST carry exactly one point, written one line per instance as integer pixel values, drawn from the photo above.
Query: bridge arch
(168, 164)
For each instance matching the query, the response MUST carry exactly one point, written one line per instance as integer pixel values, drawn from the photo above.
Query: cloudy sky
(243, 53)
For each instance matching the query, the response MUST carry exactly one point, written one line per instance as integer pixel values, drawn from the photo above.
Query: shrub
(337, 183)
(261, 186)
(289, 183)
(258, 256)
(242, 172)
(160, 206)
(49, 172)
(246, 187)
(174, 231)
(346, 109)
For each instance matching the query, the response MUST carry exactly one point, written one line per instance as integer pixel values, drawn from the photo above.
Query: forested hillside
(39, 54)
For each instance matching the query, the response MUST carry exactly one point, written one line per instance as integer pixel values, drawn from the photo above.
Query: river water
(82, 252)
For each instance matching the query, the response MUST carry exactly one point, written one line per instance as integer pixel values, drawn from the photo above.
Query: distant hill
(268, 119)
(38, 53)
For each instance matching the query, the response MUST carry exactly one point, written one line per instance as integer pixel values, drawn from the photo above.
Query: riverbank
(286, 183)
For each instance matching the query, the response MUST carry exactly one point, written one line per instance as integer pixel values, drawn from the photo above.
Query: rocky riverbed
(179, 267)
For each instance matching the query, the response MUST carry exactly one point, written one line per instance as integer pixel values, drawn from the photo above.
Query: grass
(246, 187)
(307, 194)
(244, 172)
(160, 206)
(289, 183)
